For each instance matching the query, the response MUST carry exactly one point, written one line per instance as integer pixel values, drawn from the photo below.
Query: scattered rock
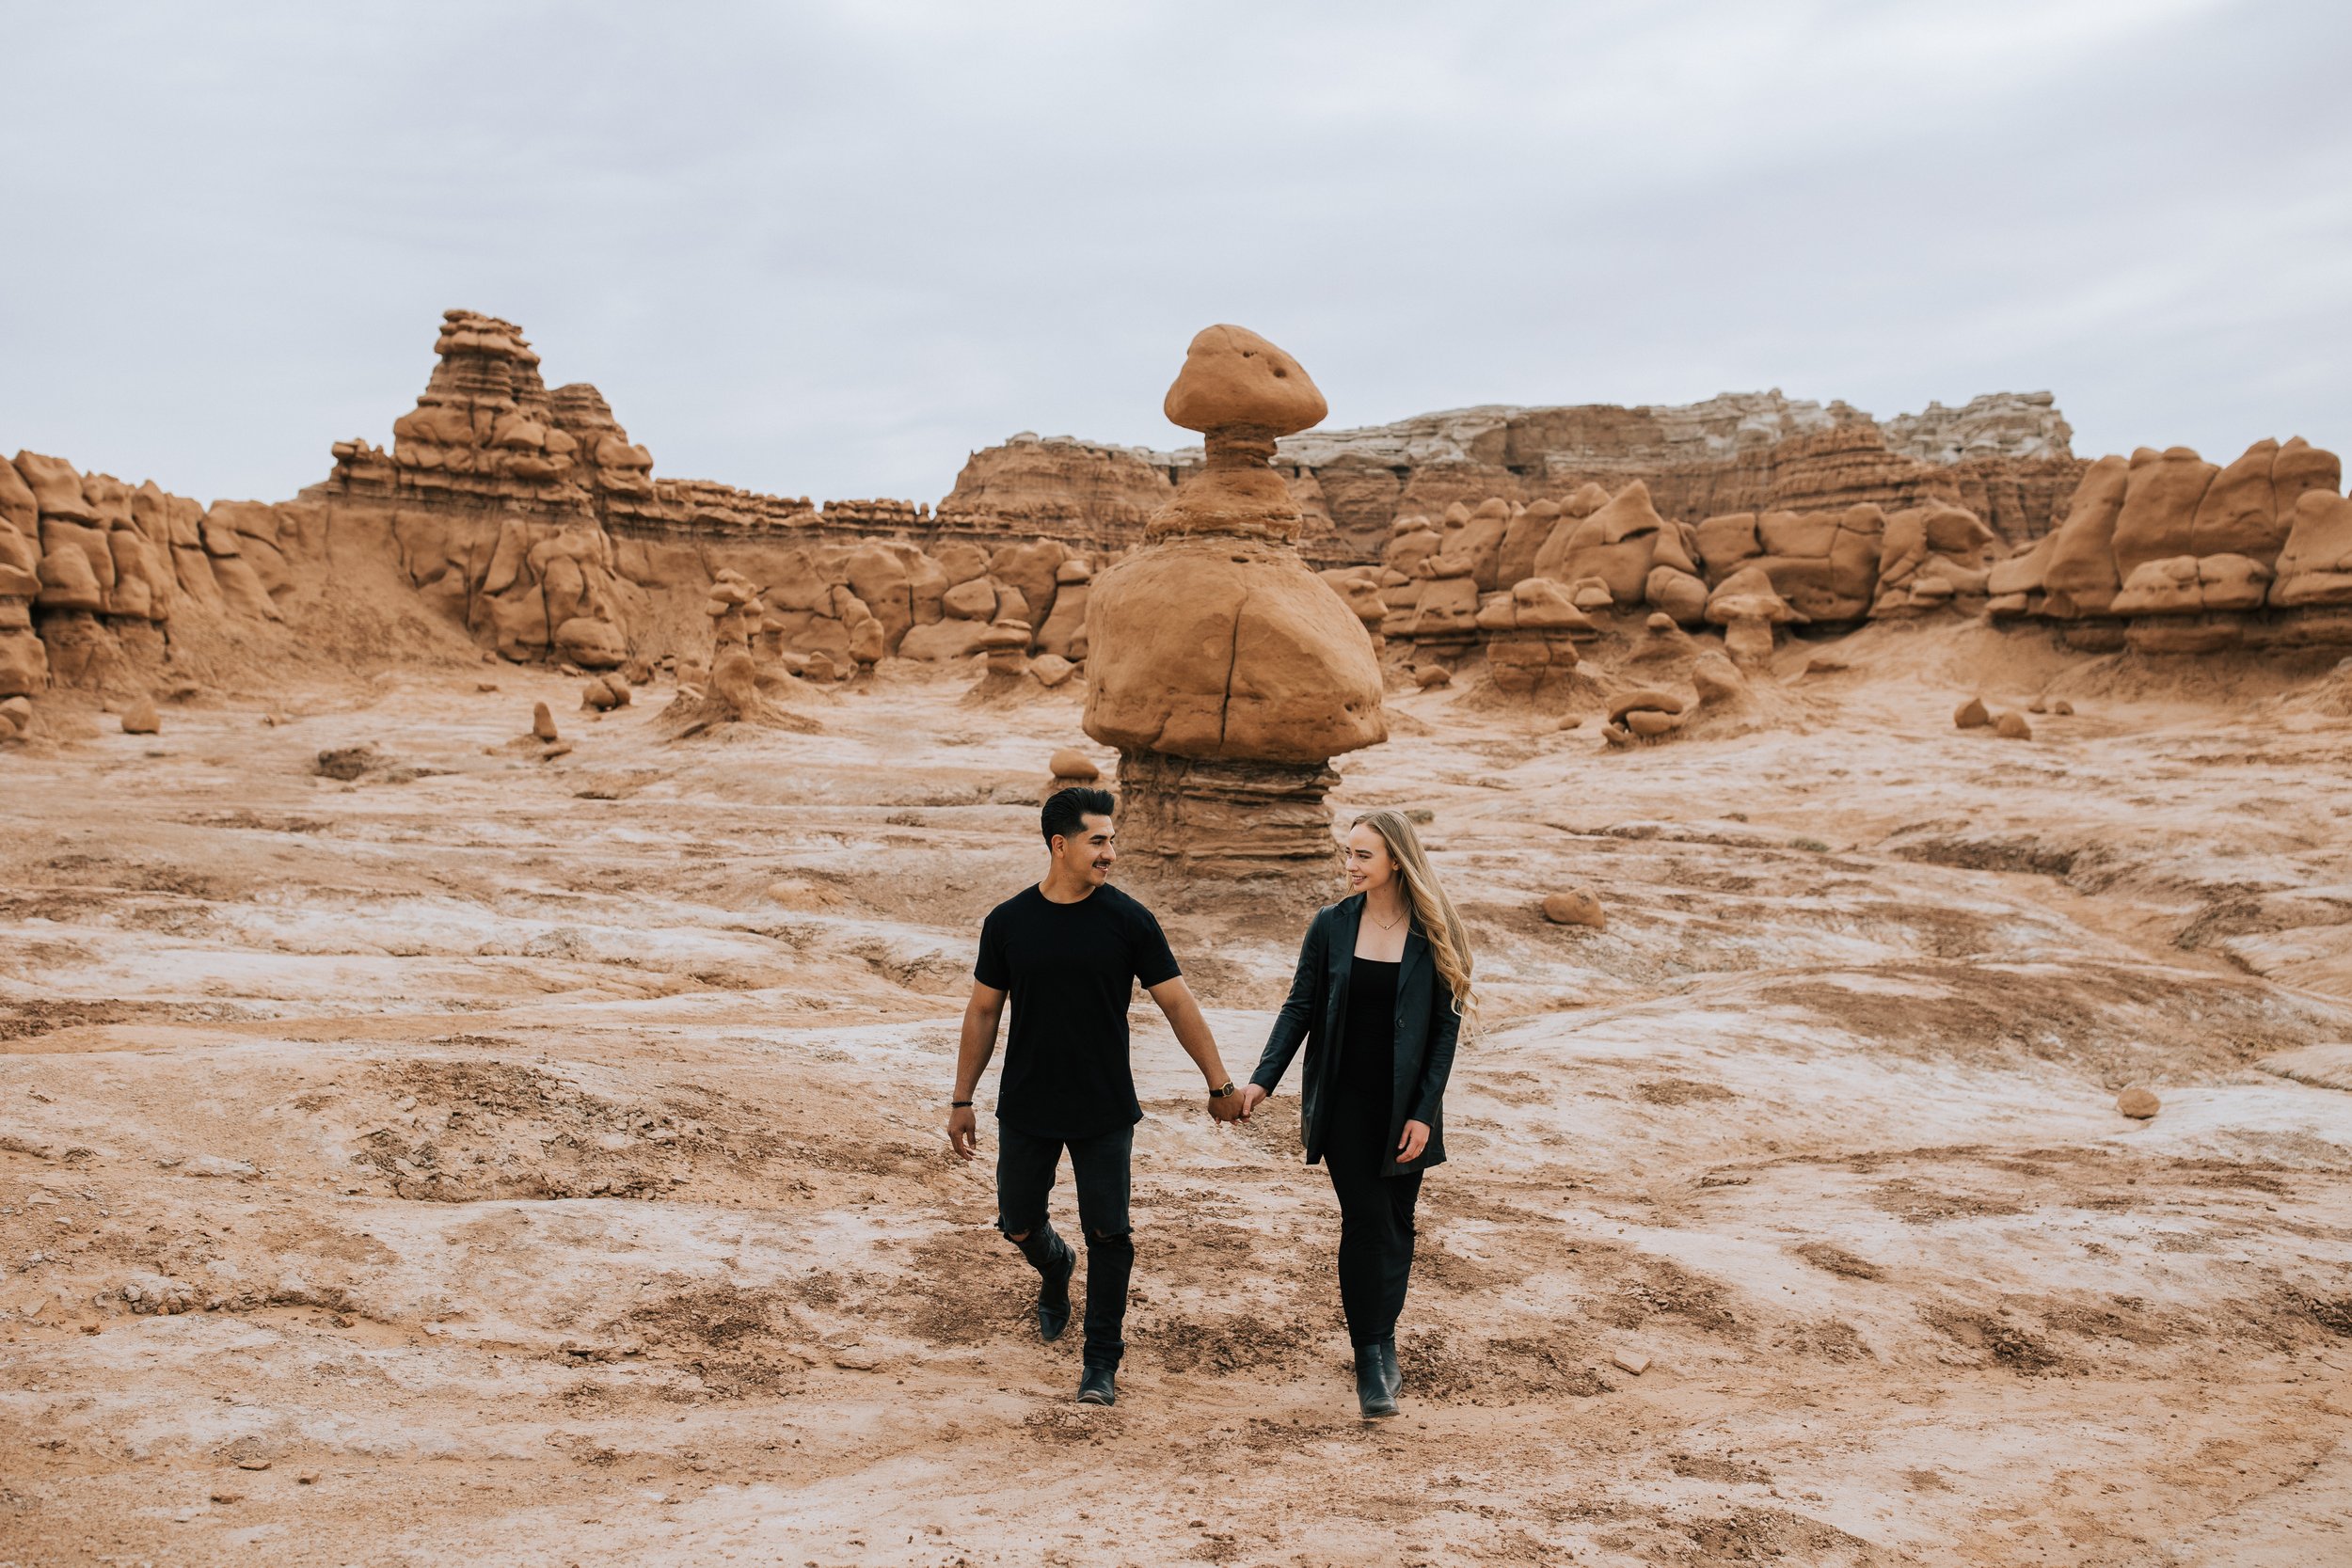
(1971, 715)
(2012, 726)
(857, 1358)
(1632, 1361)
(560, 749)
(541, 721)
(16, 716)
(1826, 664)
(1052, 670)
(606, 692)
(1718, 679)
(485, 686)
(1644, 699)
(253, 1464)
(1577, 906)
(2138, 1103)
(1431, 677)
(2040, 704)
(1072, 763)
(140, 717)
(2062, 707)
(346, 762)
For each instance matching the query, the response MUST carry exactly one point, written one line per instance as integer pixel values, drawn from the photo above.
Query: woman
(1382, 992)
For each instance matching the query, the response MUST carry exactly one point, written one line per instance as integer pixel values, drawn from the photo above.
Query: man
(1068, 951)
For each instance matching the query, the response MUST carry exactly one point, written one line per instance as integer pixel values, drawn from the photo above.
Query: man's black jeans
(1025, 1165)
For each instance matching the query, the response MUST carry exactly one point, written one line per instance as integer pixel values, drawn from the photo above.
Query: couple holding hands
(1382, 991)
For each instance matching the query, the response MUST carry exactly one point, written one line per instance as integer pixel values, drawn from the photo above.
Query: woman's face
(1370, 866)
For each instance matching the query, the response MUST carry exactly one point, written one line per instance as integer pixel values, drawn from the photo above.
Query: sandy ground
(539, 1163)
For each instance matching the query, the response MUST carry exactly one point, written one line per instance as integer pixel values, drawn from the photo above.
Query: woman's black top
(1368, 1053)
(1358, 1134)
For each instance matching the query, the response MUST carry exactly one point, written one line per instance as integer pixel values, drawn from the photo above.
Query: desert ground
(495, 1159)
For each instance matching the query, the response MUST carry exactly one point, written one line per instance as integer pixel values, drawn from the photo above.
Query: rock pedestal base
(1212, 822)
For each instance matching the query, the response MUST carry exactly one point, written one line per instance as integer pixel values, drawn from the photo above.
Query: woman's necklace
(1390, 924)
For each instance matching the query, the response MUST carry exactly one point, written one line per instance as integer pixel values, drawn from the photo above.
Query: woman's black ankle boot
(1373, 1396)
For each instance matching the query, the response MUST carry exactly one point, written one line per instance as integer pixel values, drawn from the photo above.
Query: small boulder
(1072, 763)
(1643, 698)
(1649, 724)
(1430, 677)
(346, 762)
(541, 721)
(2062, 709)
(1576, 907)
(1718, 679)
(140, 717)
(1971, 715)
(16, 716)
(596, 695)
(1631, 1360)
(1052, 670)
(2012, 726)
(2138, 1103)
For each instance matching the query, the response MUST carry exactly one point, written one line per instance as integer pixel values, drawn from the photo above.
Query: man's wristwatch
(1227, 1089)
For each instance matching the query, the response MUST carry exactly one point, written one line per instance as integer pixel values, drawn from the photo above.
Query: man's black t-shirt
(1070, 968)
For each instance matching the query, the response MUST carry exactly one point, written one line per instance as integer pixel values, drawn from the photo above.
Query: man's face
(1088, 856)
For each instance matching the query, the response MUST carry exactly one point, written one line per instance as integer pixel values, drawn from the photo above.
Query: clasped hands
(1409, 1146)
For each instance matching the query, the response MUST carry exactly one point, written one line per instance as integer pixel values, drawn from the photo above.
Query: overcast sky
(829, 249)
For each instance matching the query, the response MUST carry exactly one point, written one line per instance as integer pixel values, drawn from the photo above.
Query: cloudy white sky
(830, 249)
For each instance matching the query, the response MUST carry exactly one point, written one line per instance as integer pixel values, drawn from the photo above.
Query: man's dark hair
(1067, 809)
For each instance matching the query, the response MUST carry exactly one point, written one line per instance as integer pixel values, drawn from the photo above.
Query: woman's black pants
(1375, 1238)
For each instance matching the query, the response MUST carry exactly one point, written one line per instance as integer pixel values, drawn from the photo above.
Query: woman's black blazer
(1316, 1015)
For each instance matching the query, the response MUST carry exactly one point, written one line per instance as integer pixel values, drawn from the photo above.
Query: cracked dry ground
(538, 1163)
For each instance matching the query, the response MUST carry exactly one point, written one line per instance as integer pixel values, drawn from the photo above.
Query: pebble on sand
(1971, 715)
(2138, 1103)
(1631, 1360)
(1576, 907)
(541, 721)
(2012, 726)
(140, 717)
(1072, 763)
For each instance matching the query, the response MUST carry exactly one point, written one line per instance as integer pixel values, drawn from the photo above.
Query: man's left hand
(1229, 1107)
(1416, 1138)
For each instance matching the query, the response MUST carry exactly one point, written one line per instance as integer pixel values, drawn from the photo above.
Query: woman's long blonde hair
(1440, 926)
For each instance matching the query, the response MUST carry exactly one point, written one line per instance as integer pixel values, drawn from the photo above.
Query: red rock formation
(1225, 671)
(2004, 457)
(1058, 486)
(2169, 553)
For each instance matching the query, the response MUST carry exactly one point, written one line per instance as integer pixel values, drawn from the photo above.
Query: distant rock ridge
(1584, 435)
(2006, 456)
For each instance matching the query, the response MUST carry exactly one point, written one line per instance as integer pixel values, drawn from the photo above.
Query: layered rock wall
(2006, 457)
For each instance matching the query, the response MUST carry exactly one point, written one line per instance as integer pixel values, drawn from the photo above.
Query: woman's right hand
(1251, 1097)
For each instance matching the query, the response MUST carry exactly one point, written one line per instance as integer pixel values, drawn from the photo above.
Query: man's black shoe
(1388, 1368)
(1098, 1385)
(1053, 1298)
(1371, 1384)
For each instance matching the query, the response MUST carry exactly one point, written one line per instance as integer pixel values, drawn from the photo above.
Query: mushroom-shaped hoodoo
(1226, 673)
